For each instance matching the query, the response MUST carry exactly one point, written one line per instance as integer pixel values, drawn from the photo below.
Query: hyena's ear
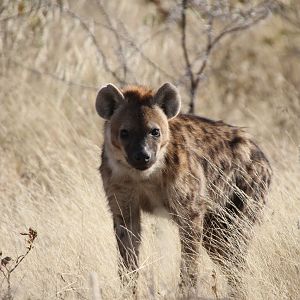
(108, 99)
(168, 99)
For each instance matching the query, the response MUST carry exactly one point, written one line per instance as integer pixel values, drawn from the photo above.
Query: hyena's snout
(142, 158)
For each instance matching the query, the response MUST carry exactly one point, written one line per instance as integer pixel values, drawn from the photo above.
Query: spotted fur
(210, 178)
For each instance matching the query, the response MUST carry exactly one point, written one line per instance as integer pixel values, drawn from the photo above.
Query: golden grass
(50, 139)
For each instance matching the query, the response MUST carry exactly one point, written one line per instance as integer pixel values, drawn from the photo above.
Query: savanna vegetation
(234, 60)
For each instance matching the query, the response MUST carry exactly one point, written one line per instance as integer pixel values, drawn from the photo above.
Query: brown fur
(209, 176)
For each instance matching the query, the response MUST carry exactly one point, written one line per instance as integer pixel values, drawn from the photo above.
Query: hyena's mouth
(141, 166)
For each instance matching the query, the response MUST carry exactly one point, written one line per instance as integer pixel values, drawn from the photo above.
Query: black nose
(141, 157)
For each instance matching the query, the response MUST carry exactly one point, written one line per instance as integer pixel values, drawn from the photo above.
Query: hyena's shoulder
(205, 141)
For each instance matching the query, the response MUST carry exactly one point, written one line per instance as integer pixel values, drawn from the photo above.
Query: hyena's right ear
(108, 99)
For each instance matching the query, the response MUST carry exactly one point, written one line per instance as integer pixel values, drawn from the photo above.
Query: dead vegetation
(54, 56)
(9, 265)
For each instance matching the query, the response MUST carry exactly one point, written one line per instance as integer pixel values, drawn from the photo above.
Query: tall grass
(50, 139)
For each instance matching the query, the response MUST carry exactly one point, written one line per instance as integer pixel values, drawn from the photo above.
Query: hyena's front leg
(127, 227)
(128, 230)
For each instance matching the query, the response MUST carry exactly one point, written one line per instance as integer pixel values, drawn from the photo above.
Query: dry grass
(50, 139)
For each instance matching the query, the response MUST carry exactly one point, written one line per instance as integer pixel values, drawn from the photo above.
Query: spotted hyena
(209, 176)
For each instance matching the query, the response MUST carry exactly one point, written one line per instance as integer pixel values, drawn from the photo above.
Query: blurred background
(234, 60)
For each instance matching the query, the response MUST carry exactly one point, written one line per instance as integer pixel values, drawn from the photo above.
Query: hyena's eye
(155, 132)
(124, 133)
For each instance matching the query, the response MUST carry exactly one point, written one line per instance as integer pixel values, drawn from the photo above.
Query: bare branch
(290, 13)
(208, 49)
(243, 21)
(53, 76)
(7, 269)
(183, 41)
(138, 48)
(120, 35)
(131, 41)
(100, 54)
(117, 38)
(196, 63)
(190, 73)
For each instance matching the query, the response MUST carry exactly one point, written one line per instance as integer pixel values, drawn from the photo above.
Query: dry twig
(9, 265)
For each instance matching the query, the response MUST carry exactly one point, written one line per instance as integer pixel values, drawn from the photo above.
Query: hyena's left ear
(108, 99)
(168, 99)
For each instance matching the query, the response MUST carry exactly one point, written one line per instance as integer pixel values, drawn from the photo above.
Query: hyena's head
(137, 127)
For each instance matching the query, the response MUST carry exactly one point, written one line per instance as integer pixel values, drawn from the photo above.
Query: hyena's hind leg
(226, 234)
(190, 244)
(226, 244)
(190, 232)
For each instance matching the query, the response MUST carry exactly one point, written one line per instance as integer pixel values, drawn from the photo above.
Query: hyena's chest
(152, 195)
